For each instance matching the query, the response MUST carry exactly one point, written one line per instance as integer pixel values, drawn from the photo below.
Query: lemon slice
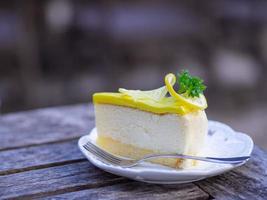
(156, 94)
(193, 103)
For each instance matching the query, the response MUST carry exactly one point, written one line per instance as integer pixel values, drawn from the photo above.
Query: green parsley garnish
(189, 85)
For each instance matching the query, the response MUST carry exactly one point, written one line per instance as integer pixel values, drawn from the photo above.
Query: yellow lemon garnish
(156, 94)
(190, 102)
(157, 100)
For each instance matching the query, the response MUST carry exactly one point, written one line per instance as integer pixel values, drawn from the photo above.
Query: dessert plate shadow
(221, 141)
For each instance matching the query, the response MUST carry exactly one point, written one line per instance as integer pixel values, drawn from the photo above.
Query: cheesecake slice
(133, 123)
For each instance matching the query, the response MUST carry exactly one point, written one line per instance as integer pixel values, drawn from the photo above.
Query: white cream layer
(168, 133)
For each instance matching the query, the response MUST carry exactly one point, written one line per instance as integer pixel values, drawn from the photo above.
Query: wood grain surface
(45, 126)
(39, 158)
(135, 190)
(246, 182)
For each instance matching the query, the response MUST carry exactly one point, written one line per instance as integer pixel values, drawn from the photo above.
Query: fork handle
(230, 160)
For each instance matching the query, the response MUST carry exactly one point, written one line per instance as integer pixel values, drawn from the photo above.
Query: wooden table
(39, 158)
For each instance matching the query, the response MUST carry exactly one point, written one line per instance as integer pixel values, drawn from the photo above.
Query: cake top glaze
(189, 97)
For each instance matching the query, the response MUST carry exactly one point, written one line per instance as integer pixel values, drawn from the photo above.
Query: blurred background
(60, 52)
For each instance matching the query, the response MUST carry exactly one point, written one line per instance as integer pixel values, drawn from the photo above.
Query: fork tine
(105, 158)
(104, 152)
(108, 157)
(96, 153)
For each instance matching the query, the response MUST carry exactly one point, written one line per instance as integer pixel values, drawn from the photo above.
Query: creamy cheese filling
(165, 133)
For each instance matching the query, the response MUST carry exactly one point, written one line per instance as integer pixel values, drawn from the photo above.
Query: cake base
(130, 151)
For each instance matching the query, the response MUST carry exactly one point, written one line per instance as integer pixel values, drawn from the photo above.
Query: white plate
(221, 141)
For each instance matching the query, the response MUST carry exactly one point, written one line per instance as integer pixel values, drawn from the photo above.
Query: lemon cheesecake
(134, 123)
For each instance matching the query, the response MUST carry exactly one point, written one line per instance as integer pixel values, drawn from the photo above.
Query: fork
(126, 162)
